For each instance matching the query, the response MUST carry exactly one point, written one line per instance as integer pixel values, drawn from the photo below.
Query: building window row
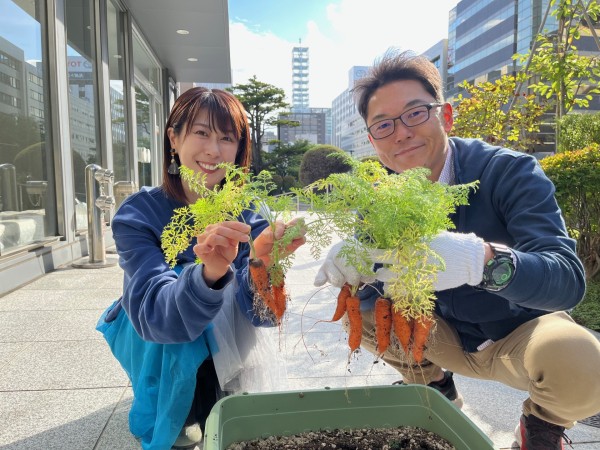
(10, 80)
(481, 28)
(37, 96)
(9, 61)
(10, 100)
(478, 55)
(36, 112)
(33, 78)
(472, 10)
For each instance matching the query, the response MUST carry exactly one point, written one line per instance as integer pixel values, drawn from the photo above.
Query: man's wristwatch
(499, 270)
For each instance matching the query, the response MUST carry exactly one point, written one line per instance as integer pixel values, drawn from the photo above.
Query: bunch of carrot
(272, 295)
(412, 334)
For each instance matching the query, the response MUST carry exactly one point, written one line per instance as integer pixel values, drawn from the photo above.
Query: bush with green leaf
(587, 313)
(577, 131)
(321, 161)
(483, 112)
(576, 176)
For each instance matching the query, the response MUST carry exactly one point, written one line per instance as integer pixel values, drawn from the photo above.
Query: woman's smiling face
(202, 148)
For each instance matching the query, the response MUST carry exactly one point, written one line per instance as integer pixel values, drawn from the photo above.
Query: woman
(165, 329)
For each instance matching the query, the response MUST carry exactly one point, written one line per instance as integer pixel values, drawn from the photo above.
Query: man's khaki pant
(551, 357)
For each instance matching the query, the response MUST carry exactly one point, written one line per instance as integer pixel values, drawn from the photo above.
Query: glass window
(81, 66)
(144, 136)
(148, 106)
(27, 195)
(116, 66)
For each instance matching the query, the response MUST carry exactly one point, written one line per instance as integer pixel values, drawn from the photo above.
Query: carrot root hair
(262, 285)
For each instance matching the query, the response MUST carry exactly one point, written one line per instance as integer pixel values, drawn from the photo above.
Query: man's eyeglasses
(410, 118)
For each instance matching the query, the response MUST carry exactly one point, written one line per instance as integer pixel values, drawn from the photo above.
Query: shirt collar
(447, 174)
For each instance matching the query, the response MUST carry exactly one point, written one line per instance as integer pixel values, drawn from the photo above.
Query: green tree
(285, 159)
(578, 131)
(558, 69)
(321, 161)
(483, 112)
(262, 102)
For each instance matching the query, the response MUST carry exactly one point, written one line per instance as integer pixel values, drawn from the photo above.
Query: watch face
(502, 273)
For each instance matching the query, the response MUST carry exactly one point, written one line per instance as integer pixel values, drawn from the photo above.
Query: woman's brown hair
(225, 112)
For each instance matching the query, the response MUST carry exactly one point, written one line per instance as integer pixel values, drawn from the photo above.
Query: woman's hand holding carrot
(263, 244)
(217, 247)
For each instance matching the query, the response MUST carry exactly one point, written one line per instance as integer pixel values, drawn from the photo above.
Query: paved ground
(60, 387)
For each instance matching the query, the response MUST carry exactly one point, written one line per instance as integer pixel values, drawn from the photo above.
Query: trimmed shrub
(576, 176)
(587, 313)
(321, 161)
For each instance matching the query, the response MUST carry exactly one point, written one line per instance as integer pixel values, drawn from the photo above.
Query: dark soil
(401, 438)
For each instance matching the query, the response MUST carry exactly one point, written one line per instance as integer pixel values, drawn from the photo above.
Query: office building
(484, 35)
(89, 82)
(438, 55)
(348, 128)
(300, 97)
(314, 126)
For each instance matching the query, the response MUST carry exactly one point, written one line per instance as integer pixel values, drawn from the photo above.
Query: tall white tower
(299, 79)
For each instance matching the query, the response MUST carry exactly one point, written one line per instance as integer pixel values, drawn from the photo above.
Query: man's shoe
(189, 437)
(447, 387)
(533, 433)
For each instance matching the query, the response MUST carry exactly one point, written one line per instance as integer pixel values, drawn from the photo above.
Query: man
(511, 268)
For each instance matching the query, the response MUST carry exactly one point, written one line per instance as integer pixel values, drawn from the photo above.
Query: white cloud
(262, 54)
(357, 33)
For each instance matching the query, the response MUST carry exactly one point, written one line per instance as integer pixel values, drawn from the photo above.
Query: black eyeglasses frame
(429, 107)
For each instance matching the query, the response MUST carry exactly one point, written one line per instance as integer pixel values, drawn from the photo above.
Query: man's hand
(463, 255)
(337, 271)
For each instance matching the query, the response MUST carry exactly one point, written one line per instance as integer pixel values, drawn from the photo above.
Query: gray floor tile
(44, 299)
(26, 326)
(116, 435)
(11, 350)
(55, 420)
(62, 365)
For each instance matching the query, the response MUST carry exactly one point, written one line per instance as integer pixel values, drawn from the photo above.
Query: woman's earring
(173, 167)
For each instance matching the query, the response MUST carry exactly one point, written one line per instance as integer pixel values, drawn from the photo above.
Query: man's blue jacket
(513, 205)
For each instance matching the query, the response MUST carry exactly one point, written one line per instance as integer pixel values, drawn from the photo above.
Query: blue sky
(339, 33)
(286, 19)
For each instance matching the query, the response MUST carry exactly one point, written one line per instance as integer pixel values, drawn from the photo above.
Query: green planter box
(249, 416)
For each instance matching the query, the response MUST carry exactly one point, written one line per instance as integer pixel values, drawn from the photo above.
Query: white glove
(463, 255)
(336, 270)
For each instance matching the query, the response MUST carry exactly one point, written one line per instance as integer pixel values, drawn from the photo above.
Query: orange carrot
(279, 300)
(340, 308)
(262, 287)
(402, 328)
(422, 325)
(383, 323)
(354, 321)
